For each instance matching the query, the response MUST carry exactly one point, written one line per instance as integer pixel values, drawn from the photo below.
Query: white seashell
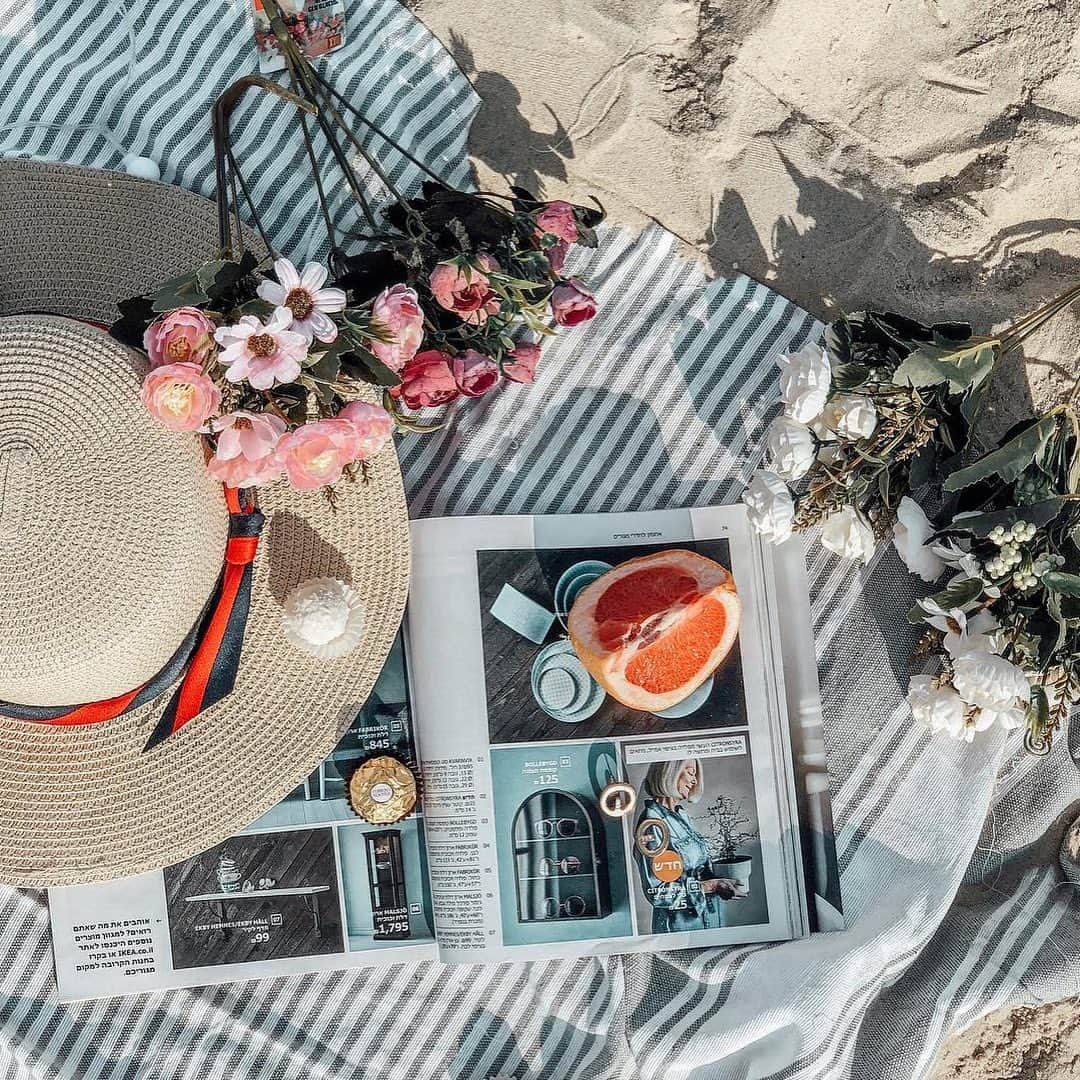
(324, 618)
(144, 167)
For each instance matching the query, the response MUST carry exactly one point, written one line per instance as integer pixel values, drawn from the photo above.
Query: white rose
(848, 533)
(805, 378)
(791, 448)
(851, 416)
(997, 687)
(940, 707)
(910, 533)
(769, 506)
(976, 634)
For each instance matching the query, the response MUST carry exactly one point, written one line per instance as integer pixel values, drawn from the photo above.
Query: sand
(917, 156)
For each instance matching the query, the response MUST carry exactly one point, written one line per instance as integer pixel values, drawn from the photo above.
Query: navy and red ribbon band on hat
(208, 657)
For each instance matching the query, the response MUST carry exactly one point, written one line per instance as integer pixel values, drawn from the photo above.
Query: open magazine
(557, 819)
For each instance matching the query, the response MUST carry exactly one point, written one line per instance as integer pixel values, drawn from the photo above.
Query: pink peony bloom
(302, 294)
(183, 336)
(373, 424)
(558, 219)
(315, 454)
(520, 363)
(466, 292)
(263, 355)
(397, 309)
(238, 472)
(427, 381)
(572, 303)
(246, 445)
(180, 396)
(474, 373)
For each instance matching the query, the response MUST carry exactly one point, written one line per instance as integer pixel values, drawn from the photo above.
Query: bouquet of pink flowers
(273, 365)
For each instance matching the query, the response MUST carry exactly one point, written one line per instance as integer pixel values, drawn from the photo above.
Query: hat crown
(111, 531)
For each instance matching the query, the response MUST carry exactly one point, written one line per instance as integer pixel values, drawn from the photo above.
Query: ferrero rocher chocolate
(383, 790)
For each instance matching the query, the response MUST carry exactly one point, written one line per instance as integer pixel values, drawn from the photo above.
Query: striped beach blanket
(953, 899)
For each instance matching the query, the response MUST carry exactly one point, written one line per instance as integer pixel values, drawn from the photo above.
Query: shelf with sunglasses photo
(559, 849)
(563, 874)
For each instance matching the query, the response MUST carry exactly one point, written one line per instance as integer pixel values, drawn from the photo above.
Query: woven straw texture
(92, 562)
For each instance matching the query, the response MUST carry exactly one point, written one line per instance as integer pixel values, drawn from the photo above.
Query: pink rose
(474, 373)
(427, 381)
(315, 454)
(374, 426)
(466, 291)
(520, 363)
(180, 396)
(572, 303)
(183, 336)
(397, 309)
(558, 219)
(246, 448)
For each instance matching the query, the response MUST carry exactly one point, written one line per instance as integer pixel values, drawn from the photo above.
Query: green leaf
(259, 307)
(182, 291)
(1038, 711)
(406, 423)
(963, 366)
(849, 376)
(1061, 582)
(362, 365)
(838, 343)
(1040, 513)
(136, 314)
(958, 594)
(1008, 461)
(327, 367)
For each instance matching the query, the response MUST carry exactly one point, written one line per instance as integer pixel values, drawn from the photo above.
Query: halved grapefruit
(653, 629)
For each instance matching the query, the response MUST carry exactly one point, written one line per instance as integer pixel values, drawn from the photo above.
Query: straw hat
(111, 540)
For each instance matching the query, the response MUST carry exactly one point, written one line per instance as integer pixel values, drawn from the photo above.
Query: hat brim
(80, 804)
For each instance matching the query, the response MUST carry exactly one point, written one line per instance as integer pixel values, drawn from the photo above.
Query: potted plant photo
(722, 829)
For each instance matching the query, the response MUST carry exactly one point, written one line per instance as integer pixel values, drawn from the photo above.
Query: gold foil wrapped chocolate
(383, 790)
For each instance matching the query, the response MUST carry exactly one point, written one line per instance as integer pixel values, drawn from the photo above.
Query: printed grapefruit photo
(653, 629)
(619, 640)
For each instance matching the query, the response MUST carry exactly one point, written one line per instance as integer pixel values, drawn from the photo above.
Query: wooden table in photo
(309, 893)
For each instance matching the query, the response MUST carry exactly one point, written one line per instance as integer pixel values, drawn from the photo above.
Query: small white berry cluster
(1020, 532)
(1047, 562)
(1010, 557)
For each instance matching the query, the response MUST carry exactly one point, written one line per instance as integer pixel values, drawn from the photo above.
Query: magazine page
(307, 887)
(521, 743)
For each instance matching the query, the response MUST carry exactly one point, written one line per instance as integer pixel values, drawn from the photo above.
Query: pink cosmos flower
(302, 294)
(558, 219)
(183, 336)
(263, 355)
(572, 303)
(466, 291)
(180, 396)
(246, 445)
(373, 424)
(474, 373)
(315, 454)
(520, 363)
(427, 381)
(397, 309)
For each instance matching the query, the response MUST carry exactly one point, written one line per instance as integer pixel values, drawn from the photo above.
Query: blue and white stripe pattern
(954, 907)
